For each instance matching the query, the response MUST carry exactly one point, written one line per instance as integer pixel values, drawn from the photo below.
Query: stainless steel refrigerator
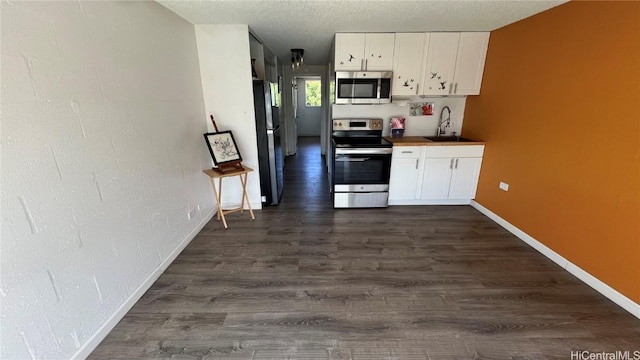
(270, 158)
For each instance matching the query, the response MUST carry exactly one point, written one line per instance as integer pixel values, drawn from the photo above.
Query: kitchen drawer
(400, 152)
(455, 151)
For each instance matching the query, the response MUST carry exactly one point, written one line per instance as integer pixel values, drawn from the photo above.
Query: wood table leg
(215, 197)
(218, 197)
(245, 196)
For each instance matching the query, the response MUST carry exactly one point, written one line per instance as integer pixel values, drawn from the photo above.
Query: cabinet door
(403, 183)
(436, 179)
(406, 170)
(438, 73)
(464, 178)
(349, 52)
(407, 63)
(378, 53)
(472, 53)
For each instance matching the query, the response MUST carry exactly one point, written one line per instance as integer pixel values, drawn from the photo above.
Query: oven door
(361, 169)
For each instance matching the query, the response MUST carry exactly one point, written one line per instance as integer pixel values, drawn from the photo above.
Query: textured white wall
(225, 68)
(102, 152)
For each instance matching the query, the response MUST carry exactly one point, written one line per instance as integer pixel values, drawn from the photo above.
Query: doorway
(296, 111)
(308, 106)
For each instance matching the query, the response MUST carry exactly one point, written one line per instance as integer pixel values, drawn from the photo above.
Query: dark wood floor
(305, 281)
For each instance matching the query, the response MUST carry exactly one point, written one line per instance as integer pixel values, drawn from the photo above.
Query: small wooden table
(215, 174)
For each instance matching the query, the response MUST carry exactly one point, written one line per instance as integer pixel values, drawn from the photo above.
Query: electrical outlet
(504, 186)
(191, 214)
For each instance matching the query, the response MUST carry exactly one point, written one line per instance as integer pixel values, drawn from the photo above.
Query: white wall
(102, 153)
(225, 67)
(415, 125)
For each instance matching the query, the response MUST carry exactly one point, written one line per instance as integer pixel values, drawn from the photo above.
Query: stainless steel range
(361, 163)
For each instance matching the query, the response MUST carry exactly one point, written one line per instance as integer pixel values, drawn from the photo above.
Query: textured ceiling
(310, 24)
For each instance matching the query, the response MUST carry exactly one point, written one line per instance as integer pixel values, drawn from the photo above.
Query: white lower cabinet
(453, 178)
(464, 178)
(439, 175)
(406, 171)
(437, 178)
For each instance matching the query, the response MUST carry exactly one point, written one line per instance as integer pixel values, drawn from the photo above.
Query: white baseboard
(85, 350)
(430, 202)
(595, 283)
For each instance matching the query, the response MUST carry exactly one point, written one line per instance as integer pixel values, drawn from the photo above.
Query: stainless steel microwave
(363, 87)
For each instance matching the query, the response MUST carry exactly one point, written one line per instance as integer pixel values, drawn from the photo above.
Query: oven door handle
(352, 159)
(372, 151)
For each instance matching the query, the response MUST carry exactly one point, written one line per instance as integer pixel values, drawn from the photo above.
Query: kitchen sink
(448, 138)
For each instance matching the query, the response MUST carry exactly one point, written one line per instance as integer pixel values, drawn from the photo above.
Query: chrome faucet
(446, 122)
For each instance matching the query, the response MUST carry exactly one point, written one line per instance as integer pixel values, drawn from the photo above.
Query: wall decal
(406, 83)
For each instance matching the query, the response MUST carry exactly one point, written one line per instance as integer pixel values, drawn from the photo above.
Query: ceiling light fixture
(297, 58)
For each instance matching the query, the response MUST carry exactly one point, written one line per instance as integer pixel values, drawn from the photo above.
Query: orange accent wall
(560, 112)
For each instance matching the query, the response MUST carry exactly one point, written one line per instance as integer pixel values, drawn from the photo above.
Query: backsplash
(415, 125)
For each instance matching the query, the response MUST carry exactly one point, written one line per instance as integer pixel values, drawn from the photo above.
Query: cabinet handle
(362, 64)
(416, 164)
(450, 88)
(455, 91)
(457, 163)
(451, 165)
(366, 64)
(407, 152)
(417, 86)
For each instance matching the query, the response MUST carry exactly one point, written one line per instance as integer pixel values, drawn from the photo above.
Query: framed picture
(223, 148)
(421, 109)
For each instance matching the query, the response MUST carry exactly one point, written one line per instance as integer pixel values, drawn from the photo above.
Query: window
(332, 92)
(312, 94)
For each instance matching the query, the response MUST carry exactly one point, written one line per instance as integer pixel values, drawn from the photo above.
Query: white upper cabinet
(379, 52)
(440, 63)
(408, 62)
(349, 52)
(472, 53)
(371, 52)
(454, 63)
